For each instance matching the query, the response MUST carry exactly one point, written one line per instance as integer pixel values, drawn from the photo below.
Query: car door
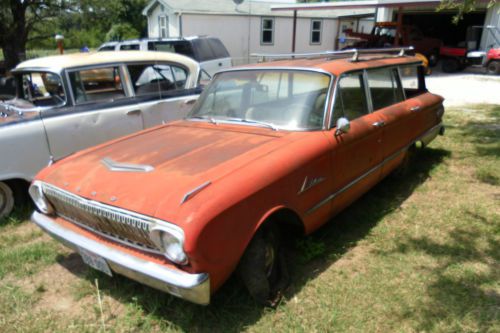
(161, 91)
(357, 153)
(102, 110)
(207, 56)
(394, 114)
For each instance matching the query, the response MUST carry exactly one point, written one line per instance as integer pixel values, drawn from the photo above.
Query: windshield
(41, 88)
(279, 99)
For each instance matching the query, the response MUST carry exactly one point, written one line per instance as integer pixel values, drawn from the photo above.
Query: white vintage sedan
(66, 103)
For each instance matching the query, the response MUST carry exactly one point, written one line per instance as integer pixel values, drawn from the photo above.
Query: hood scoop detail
(194, 192)
(125, 167)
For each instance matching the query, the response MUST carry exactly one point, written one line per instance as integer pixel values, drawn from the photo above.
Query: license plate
(95, 261)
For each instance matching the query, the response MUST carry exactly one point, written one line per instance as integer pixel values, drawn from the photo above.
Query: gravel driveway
(465, 88)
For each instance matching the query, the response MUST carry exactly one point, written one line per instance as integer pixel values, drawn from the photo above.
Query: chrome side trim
(194, 191)
(191, 287)
(430, 133)
(125, 167)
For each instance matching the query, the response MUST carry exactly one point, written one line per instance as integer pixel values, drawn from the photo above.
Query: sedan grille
(125, 227)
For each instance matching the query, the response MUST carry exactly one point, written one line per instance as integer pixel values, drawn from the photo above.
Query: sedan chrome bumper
(191, 287)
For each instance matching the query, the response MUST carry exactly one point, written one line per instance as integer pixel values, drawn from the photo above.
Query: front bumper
(191, 287)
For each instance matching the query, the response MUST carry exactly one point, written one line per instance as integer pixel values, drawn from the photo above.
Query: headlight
(36, 193)
(171, 243)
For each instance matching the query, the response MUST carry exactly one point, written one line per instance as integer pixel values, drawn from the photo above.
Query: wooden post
(294, 33)
(399, 27)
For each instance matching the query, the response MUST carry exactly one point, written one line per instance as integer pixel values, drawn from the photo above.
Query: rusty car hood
(16, 111)
(181, 157)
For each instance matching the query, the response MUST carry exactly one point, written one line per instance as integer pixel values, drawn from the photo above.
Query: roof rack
(401, 52)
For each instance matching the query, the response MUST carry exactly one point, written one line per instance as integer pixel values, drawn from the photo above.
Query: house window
(316, 27)
(163, 26)
(267, 33)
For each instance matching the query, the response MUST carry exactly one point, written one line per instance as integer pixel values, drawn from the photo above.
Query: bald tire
(6, 200)
(264, 282)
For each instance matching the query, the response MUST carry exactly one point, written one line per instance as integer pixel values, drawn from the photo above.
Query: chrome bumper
(191, 287)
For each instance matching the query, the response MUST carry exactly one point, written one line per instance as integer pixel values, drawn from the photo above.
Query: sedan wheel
(6, 199)
(263, 267)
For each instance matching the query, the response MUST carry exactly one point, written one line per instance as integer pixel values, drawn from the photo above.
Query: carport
(421, 13)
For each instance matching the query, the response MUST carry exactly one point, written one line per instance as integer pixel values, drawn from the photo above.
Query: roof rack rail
(401, 51)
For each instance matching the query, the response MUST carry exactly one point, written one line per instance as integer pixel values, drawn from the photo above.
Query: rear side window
(107, 48)
(412, 79)
(384, 86)
(156, 79)
(204, 50)
(130, 47)
(218, 49)
(180, 47)
(350, 101)
(97, 85)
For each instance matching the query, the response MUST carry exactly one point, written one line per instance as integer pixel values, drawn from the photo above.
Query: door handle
(133, 112)
(190, 101)
(415, 108)
(220, 64)
(378, 124)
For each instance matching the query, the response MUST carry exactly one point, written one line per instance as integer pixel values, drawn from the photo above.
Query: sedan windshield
(41, 88)
(278, 99)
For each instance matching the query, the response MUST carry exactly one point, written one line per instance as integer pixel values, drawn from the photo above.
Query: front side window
(293, 100)
(267, 31)
(41, 89)
(97, 85)
(350, 101)
(384, 87)
(316, 27)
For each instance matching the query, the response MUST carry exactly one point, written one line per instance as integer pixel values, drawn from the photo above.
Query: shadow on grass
(231, 308)
(18, 216)
(461, 288)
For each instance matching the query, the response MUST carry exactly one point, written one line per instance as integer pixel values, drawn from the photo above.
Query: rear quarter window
(218, 49)
(130, 47)
(203, 49)
(412, 79)
(180, 47)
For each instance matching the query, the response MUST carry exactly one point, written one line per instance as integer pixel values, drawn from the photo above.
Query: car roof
(337, 66)
(60, 62)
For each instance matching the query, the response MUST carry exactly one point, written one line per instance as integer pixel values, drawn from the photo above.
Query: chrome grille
(126, 227)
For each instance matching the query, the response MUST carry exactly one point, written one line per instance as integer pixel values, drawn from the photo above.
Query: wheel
(450, 65)
(263, 267)
(6, 199)
(404, 168)
(433, 58)
(493, 67)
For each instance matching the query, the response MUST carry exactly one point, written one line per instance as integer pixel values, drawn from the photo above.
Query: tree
(121, 31)
(18, 18)
(462, 7)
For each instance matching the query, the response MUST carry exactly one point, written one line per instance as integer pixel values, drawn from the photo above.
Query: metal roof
(253, 8)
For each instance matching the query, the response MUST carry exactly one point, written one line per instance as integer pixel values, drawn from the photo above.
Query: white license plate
(95, 261)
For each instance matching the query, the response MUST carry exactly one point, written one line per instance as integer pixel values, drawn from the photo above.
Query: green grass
(416, 254)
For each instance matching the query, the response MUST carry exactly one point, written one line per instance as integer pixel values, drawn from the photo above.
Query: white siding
(492, 18)
(153, 27)
(242, 35)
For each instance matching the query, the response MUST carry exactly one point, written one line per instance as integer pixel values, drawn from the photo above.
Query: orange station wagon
(268, 150)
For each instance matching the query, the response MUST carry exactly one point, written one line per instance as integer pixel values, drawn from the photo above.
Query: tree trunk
(13, 53)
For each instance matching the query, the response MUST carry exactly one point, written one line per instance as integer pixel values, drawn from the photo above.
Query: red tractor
(455, 59)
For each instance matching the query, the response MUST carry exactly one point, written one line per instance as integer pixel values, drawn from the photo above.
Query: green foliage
(462, 7)
(121, 31)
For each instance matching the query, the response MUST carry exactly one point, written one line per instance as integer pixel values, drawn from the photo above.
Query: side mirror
(343, 126)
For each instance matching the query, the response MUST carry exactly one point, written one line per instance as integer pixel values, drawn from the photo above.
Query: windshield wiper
(251, 121)
(210, 119)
